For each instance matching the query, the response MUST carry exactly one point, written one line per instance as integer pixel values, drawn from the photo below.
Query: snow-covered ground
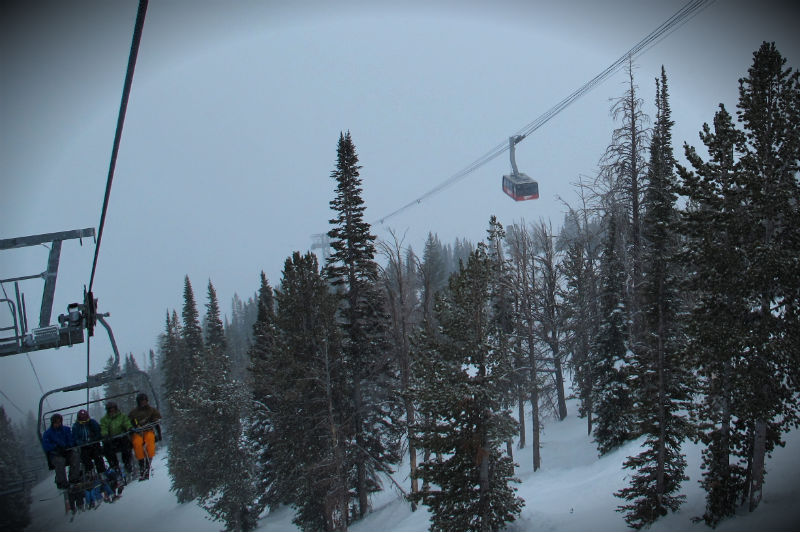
(573, 491)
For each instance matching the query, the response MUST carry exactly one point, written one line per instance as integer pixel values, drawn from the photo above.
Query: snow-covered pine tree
(239, 334)
(661, 376)
(353, 273)
(432, 274)
(15, 499)
(459, 397)
(746, 193)
(501, 296)
(262, 364)
(169, 363)
(136, 382)
(613, 401)
(310, 404)
(712, 228)
(226, 487)
(769, 111)
(115, 389)
(181, 373)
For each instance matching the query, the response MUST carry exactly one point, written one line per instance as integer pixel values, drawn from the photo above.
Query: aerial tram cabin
(518, 185)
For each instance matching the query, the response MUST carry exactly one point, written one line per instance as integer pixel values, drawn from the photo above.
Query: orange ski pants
(141, 441)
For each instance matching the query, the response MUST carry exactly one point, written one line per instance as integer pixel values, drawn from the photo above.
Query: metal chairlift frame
(70, 326)
(94, 381)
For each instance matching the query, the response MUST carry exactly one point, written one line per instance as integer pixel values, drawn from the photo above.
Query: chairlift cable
(12, 402)
(687, 12)
(126, 91)
(30, 361)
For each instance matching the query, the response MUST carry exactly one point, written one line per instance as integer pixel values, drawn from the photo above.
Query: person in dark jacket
(57, 442)
(114, 428)
(143, 419)
(86, 432)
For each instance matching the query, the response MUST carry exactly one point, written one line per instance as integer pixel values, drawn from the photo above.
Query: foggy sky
(236, 108)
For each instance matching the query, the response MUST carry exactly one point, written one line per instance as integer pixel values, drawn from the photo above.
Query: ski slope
(573, 491)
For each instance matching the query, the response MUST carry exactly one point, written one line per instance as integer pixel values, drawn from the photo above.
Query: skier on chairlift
(87, 434)
(114, 427)
(144, 416)
(58, 442)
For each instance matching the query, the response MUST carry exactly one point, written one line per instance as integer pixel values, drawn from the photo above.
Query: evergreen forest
(667, 301)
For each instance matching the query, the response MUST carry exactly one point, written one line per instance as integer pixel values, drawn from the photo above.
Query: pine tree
(504, 321)
(353, 272)
(613, 400)
(309, 402)
(238, 334)
(659, 372)
(433, 274)
(262, 364)
(712, 228)
(15, 500)
(769, 108)
(459, 394)
(170, 365)
(226, 486)
(182, 374)
(135, 382)
(115, 389)
(750, 203)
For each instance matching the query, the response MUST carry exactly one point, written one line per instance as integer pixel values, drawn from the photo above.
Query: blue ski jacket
(84, 432)
(53, 438)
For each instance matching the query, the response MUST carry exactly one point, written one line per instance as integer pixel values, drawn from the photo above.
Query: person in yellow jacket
(143, 418)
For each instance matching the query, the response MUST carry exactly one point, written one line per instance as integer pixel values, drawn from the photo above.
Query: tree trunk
(759, 453)
(361, 469)
(426, 456)
(633, 165)
(537, 460)
(559, 377)
(412, 451)
(521, 420)
(483, 478)
(661, 458)
(534, 396)
(336, 500)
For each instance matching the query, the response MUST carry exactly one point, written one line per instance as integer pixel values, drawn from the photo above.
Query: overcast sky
(236, 109)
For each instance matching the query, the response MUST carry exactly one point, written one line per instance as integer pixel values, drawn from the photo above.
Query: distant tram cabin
(520, 187)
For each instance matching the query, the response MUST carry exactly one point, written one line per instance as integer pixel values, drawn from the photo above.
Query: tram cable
(687, 12)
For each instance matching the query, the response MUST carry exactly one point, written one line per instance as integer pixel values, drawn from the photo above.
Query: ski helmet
(83, 415)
